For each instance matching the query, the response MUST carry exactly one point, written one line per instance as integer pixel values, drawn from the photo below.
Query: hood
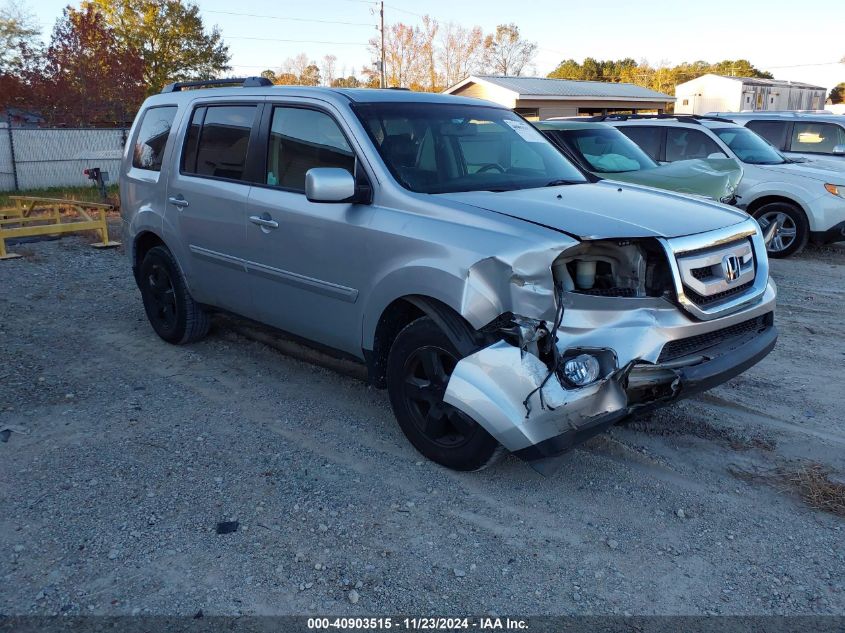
(714, 178)
(605, 210)
(817, 170)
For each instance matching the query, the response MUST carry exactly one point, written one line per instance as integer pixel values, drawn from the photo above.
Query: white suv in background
(814, 136)
(806, 200)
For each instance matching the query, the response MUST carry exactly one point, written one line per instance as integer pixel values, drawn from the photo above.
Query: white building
(718, 93)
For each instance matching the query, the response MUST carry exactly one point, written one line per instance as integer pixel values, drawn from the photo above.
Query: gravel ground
(125, 453)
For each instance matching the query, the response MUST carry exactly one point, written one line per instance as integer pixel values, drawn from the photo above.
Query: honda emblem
(730, 268)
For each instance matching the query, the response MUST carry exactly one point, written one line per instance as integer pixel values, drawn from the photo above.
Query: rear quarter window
(648, 138)
(772, 131)
(151, 141)
(217, 142)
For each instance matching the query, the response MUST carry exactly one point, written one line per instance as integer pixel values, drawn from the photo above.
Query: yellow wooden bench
(32, 216)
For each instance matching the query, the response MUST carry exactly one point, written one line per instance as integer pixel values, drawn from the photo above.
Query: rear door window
(772, 131)
(685, 144)
(816, 138)
(647, 137)
(301, 139)
(217, 143)
(151, 141)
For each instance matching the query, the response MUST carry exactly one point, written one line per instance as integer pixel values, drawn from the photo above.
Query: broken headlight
(614, 268)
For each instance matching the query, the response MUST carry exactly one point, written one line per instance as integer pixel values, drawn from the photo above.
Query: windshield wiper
(557, 183)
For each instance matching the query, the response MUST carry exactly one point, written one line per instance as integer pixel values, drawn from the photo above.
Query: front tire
(418, 368)
(793, 229)
(171, 310)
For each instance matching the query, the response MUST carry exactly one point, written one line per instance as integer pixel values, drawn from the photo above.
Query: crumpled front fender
(491, 386)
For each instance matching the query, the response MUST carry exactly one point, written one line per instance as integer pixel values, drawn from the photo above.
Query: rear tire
(418, 368)
(793, 228)
(171, 310)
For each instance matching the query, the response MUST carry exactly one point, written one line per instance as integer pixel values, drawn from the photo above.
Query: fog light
(581, 370)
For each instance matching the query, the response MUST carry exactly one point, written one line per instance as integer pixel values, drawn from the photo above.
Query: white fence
(35, 158)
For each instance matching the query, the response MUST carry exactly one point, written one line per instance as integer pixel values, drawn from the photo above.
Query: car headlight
(836, 190)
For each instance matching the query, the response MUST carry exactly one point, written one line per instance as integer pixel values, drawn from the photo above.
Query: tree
(460, 52)
(85, 81)
(738, 68)
(837, 93)
(297, 65)
(269, 74)
(327, 69)
(18, 37)
(506, 53)
(310, 76)
(662, 78)
(169, 37)
(346, 82)
(427, 44)
(405, 62)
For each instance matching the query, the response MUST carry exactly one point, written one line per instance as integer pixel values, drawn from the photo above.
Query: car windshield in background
(434, 148)
(606, 151)
(749, 147)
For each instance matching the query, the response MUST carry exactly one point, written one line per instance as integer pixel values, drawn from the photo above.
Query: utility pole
(381, 16)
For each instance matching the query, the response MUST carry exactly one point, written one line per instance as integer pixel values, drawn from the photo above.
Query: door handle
(266, 223)
(179, 202)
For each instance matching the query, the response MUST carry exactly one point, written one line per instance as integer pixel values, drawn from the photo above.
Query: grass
(86, 194)
(809, 480)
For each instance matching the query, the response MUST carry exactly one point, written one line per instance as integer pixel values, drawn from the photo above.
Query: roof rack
(683, 118)
(245, 82)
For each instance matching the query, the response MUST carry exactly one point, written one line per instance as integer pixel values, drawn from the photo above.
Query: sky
(775, 35)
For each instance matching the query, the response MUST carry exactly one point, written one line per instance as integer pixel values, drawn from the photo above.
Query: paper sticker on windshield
(525, 131)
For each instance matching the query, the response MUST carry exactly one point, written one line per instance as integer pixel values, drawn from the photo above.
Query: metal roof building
(543, 98)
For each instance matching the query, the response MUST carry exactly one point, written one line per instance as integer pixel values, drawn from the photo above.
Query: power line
(805, 65)
(278, 17)
(278, 39)
(395, 8)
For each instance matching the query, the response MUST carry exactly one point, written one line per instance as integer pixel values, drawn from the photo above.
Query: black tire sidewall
(479, 450)
(159, 255)
(802, 226)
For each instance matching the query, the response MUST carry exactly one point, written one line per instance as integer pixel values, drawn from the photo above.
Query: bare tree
(506, 53)
(328, 69)
(19, 31)
(428, 34)
(299, 65)
(460, 52)
(404, 58)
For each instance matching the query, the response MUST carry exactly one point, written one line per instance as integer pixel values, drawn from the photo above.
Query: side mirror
(838, 150)
(716, 155)
(329, 184)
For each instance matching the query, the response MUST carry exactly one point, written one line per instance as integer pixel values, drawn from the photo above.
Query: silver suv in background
(805, 201)
(505, 299)
(810, 135)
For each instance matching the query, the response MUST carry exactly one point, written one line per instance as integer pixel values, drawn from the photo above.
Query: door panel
(208, 197)
(307, 267)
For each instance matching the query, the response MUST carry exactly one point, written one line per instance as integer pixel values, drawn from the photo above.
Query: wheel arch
(404, 310)
(755, 204)
(141, 245)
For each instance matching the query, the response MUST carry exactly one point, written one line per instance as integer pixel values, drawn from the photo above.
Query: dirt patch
(664, 424)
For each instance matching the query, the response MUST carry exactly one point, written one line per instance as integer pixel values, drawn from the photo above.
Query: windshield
(607, 151)
(749, 147)
(443, 148)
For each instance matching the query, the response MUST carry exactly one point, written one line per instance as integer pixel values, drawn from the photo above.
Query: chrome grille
(719, 272)
(713, 274)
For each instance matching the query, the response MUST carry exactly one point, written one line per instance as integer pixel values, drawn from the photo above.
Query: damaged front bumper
(659, 356)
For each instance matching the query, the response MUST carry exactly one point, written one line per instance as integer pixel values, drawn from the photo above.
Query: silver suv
(798, 201)
(809, 135)
(504, 298)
